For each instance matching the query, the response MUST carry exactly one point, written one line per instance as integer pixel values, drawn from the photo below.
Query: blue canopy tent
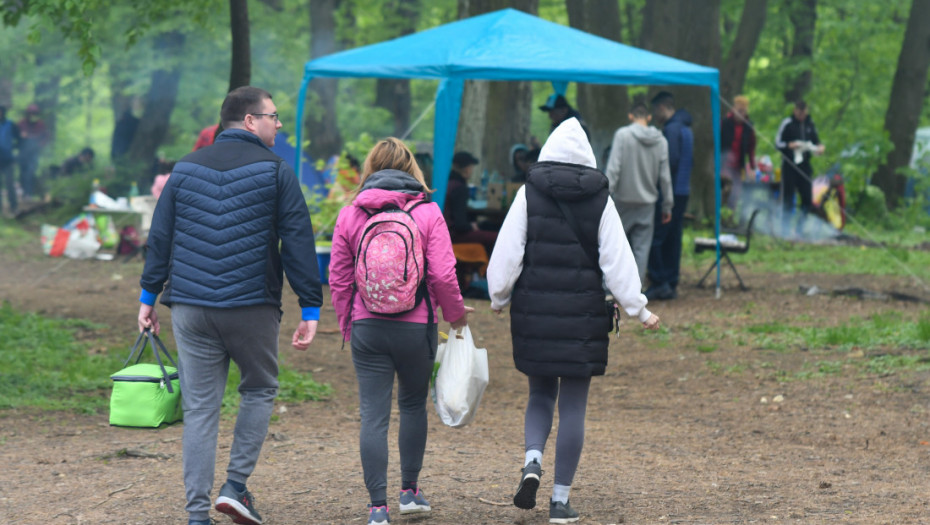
(509, 45)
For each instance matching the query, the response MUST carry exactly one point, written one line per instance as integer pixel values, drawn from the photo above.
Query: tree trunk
(803, 15)
(240, 72)
(907, 96)
(678, 30)
(507, 114)
(394, 94)
(733, 74)
(473, 115)
(159, 103)
(603, 107)
(321, 125)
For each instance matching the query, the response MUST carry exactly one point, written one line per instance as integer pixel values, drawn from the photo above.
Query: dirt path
(674, 434)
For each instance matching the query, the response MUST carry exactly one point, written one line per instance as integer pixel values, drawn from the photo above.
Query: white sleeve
(507, 258)
(779, 141)
(621, 274)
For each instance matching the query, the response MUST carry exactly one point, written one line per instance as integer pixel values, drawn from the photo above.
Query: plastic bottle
(94, 188)
(133, 190)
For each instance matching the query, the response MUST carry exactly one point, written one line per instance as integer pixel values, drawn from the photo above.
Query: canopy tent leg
(448, 106)
(715, 114)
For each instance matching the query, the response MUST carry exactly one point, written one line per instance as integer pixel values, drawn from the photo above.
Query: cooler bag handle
(144, 337)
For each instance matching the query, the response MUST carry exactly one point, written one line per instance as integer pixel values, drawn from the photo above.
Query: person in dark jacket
(9, 141)
(33, 138)
(664, 268)
(560, 110)
(213, 254)
(797, 140)
(462, 227)
(738, 145)
(542, 267)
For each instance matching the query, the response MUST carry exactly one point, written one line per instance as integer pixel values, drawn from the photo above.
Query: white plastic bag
(461, 378)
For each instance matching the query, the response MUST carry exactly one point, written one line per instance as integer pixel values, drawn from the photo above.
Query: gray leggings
(572, 394)
(381, 348)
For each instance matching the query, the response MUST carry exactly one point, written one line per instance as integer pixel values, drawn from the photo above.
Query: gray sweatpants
(638, 225)
(207, 339)
(572, 394)
(381, 348)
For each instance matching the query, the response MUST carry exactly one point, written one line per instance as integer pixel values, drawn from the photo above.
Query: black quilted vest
(557, 312)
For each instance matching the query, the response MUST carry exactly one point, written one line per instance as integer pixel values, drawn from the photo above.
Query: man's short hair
(639, 110)
(240, 102)
(464, 159)
(800, 104)
(663, 98)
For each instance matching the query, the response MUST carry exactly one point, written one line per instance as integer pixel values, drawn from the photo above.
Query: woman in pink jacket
(403, 344)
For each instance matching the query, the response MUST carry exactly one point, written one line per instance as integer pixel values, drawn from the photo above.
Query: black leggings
(572, 394)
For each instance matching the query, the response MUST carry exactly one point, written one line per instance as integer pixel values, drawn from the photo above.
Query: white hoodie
(569, 144)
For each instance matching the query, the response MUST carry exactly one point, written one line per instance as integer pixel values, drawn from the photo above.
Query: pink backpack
(390, 267)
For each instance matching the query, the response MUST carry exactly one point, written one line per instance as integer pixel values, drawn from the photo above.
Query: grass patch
(882, 330)
(769, 254)
(13, 236)
(42, 366)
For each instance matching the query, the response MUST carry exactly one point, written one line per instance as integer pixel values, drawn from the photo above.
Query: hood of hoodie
(681, 116)
(389, 187)
(569, 144)
(646, 135)
(566, 168)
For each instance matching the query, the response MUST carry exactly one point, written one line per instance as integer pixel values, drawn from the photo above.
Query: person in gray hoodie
(637, 169)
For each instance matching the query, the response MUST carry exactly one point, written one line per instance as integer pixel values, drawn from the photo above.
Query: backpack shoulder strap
(570, 217)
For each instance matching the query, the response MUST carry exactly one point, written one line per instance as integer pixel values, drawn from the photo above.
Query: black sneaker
(525, 498)
(561, 512)
(238, 505)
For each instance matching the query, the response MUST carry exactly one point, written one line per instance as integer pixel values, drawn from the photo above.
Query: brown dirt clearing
(674, 434)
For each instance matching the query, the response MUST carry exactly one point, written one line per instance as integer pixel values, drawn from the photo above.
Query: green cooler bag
(146, 394)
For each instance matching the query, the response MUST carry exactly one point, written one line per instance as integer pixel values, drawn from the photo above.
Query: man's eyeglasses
(274, 116)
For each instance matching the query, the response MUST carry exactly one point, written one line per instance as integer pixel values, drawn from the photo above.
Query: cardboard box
(495, 195)
(501, 194)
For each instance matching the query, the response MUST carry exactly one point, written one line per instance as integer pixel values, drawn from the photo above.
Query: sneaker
(378, 515)
(525, 498)
(561, 512)
(238, 506)
(413, 502)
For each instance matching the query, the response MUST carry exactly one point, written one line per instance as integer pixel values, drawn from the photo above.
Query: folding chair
(727, 246)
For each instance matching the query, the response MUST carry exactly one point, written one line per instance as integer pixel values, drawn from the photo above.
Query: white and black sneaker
(525, 498)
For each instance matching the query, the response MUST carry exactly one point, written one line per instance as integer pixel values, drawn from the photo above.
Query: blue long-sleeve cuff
(148, 297)
(310, 313)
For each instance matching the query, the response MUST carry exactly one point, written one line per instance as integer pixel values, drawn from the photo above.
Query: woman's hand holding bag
(461, 378)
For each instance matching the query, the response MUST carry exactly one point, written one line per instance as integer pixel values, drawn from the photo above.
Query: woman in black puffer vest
(543, 263)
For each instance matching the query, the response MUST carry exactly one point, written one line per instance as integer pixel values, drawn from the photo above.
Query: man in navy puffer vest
(230, 220)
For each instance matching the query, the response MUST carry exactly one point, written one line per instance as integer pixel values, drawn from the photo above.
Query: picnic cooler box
(146, 394)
